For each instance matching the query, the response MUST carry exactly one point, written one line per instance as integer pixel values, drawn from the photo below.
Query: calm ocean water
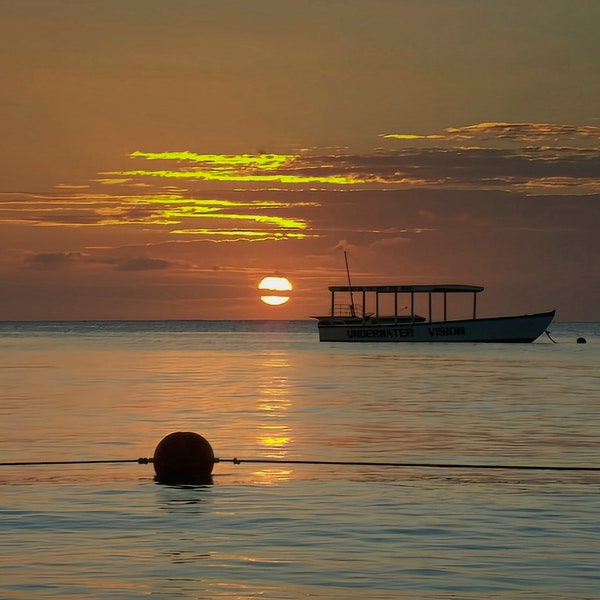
(113, 390)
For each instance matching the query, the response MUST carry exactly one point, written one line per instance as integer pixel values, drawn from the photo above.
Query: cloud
(62, 260)
(246, 207)
(516, 132)
(142, 263)
(499, 155)
(54, 260)
(172, 213)
(526, 132)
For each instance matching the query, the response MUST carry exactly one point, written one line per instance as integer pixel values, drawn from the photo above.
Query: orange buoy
(182, 457)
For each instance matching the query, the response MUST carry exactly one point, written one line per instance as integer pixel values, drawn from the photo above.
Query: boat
(351, 322)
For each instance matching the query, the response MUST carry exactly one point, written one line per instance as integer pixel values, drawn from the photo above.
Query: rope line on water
(141, 461)
(342, 463)
(238, 461)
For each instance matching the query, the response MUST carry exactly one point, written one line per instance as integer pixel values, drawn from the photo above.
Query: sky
(159, 158)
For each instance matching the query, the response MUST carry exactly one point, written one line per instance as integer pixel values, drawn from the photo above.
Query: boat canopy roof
(395, 289)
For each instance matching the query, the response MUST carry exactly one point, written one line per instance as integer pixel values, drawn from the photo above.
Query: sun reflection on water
(274, 402)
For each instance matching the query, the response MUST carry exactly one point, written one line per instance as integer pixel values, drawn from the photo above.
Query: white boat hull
(524, 328)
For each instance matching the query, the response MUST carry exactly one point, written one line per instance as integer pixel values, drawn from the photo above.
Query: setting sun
(277, 288)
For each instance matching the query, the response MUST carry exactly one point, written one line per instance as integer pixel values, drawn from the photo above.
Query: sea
(367, 470)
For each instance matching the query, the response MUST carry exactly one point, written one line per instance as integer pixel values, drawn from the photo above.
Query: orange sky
(159, 158)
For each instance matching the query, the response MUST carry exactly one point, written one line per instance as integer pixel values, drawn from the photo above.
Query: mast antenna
(352, 311)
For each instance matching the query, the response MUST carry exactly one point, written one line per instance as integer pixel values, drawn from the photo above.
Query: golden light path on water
(274, 403)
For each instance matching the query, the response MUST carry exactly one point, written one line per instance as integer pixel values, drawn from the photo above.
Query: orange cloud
(516, 132)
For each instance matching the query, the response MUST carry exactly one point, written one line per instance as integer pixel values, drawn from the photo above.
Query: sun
(275, 290)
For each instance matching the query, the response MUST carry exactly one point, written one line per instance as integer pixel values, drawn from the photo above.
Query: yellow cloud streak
(233, 167)
(218, 175)
(244, 234)
(172, 199)
(280, 221)
(261, 161)
(157, 210)
(411, 136)
(195, 209)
